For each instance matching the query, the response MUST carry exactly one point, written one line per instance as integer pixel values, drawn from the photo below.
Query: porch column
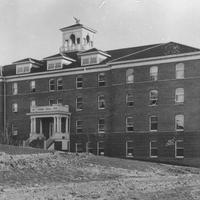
(58, 124)
(33, 124)
(66, 125)
(40, 126)
(54, 125)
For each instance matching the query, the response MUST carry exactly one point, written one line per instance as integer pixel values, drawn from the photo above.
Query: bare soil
(67, 176)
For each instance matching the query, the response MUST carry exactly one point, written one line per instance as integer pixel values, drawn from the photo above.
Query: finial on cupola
(77, 20)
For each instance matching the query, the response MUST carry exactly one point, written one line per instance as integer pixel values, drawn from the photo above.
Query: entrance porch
(50, 124)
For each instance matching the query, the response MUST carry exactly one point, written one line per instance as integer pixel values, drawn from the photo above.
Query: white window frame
(32, 86)
(152, 99)
(78, 127)
(101, 82)
(61, 101)
(153, 72)
(101, 101)
(129, 102)
(59, 84)
(128, 125)
(130, 75)
(23, 69)
(88, 148)
(33, 103)
(14, 88)
(14, 130)
(176, 148)
(99, 126)
(150, 145)
(54, 65)
(176, 119)
(180, 70)
(127, 149)
(78, 103)
(53, 100)
(79, 82)
(14, 107)
(150, 123)
(179, 94)
(50, 84)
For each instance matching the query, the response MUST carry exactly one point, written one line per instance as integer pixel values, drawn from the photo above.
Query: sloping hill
(67, 176)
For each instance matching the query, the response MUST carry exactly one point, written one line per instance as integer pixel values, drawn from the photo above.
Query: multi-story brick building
(141, 102)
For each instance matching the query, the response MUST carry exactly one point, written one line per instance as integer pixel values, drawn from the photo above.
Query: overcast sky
(30, 28)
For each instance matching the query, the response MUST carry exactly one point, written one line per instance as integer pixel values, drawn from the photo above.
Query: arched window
(179, 71)
(88, 38)
(179, 95)
(153, 97)
(73, 38)
(179, 122)
(129, 76)
(154, 73)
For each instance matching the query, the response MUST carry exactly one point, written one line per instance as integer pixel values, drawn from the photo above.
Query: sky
(30, 28)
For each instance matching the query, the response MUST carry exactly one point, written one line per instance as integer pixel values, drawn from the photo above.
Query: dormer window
(93, 60)
(21, 69)
(54, 65)
(85, 61)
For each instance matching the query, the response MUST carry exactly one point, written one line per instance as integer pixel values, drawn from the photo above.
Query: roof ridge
(138, 51)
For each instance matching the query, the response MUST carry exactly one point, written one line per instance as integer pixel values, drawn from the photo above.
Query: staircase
(49, 142)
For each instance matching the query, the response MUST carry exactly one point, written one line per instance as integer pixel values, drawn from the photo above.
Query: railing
(47, 109)
(49, 142)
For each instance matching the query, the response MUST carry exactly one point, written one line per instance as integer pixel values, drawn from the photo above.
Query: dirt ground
(62, 176)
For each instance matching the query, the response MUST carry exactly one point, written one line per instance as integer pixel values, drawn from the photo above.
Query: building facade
(139, 102)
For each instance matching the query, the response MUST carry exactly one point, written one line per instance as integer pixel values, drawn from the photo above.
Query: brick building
(140, 102)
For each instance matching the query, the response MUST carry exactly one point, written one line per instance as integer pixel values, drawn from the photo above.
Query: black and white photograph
(99, 100)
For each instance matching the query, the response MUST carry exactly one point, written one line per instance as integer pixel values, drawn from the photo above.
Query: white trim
(127, 156)
(150, 123)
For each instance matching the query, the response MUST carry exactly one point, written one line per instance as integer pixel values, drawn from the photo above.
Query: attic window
(21, 69)
(52, 66)
(89, 60)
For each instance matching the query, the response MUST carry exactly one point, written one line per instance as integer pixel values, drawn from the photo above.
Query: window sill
(153, 131)
(153, 105)
(179, 157)
(153, 156)
(78, 110)
(101, 132)
(129, 156)
(179, 103)
(101, 108)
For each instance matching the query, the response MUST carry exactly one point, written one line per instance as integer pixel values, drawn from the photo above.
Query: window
(129, 76)
(22, 69)
(101, 79)
(153, 123)
(14, 88)
(153, 98)
(93, 60)
(179, 122)
(101, 102)
(59, 84)
(179, 71)
(52, 66)
(129, 124)
(14, 107)
(129, 149)
(100, 148)
(52, 102)
(85, 61)
(90, 147)
(14, 130)
(129, 100)
(78, 147)
(79, 82)
(153, 149)
(32, 86)
(52, 85)
(79, 126)
(179, 149)
(32, 103)
(179, 95)
(154, 73)
(60, 101)
(79, 103)
(101, 126)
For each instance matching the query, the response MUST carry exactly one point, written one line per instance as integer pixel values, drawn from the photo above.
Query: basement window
(100, 148)
(179, 149)
(153, 149)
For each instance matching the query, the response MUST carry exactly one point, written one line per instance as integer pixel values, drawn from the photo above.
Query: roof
(116, 55)
(77, 25)
(26, 60)
(94, 50)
